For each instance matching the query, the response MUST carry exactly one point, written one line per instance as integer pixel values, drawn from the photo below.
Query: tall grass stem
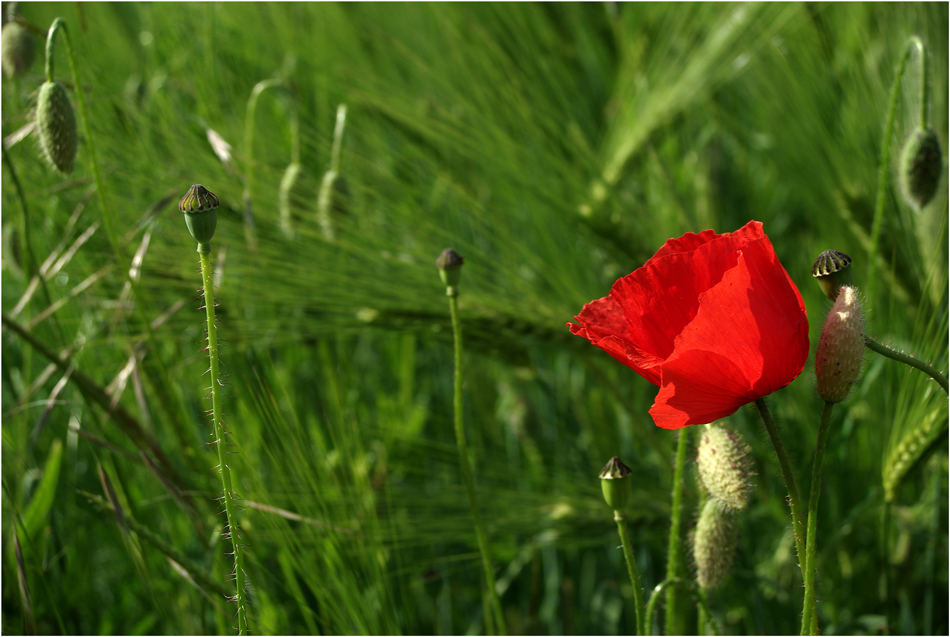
(810, 610)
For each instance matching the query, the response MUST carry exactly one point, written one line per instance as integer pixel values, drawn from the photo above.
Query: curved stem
(51, 47)
(810, 611)
(338, 138)
(884, 167)
(694, 590)
(466, 467)
(793, 501)
(901, 357)
(632, 570)
(673, 553)
(230, 508)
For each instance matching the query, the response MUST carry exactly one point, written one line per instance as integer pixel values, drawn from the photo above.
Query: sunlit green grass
(555, 147)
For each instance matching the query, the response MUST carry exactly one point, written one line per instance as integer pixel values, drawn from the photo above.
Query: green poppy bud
(200, 206)
(614, 483)
(724, 466)
(56, 126)
(17, 49)
(714, 543)
(841, 348)
(450, 269)
(832, 271)
(921, 165)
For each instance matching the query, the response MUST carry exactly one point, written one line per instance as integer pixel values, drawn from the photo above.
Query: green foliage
(555, 147)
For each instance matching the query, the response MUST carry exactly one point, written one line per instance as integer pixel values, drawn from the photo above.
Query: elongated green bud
(450, 270)
(18, 49)
(841, 348)
(615, 483)
(200, 206)
(56, 126)
(286, 197)
(832, 270)
(714, 543)
(921, 165)
(724, 466)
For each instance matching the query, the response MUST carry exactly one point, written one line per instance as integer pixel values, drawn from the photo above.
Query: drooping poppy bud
(615, 484)
(724, 466)
(921, 165)
(832, 270)
(56, 126)
(200, 206)
(18, 49)
(450, 269)
(714, 543)
(841, 348)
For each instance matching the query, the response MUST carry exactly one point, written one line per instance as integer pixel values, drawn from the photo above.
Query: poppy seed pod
(17, 49)
(450, 269)
(841, 348)
(833, 270)
(615, 484)
(724, 466)
(56, 126)
(714, 543)
(200, 206)
(921, 165)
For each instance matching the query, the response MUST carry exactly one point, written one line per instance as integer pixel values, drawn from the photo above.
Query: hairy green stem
(632, 570)
(793, 501)
(466, 467)
(689, 585)
(673, 553)
(884, 167)
(810, 610)
(230, 507)
(901, 357)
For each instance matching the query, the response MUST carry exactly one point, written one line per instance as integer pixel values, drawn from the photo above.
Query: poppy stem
(901, 357)
(694, 590)
(810, 610)
(673, 554)
(632, 570)
(793, 501)
(467, 468)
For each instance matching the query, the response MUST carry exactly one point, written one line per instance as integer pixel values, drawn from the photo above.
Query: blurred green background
(554, 146)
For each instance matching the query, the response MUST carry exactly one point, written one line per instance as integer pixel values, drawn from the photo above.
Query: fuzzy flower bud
(832, 270)
(921, 165)
(17, 49)
(450, 269)
(841, 348)
(714, 543)
(615, 484)
(724, 466)
(200, 206)
(56, 126)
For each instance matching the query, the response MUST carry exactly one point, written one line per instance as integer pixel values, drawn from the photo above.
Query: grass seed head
(18, 49)
(921, 165)
(56, 127)
(841, 348)
(724, 466)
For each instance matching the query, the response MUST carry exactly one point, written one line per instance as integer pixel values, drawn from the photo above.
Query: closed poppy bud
(615, 483)
(832, 270)
(724, 466)
(713, 320)
(200, 206)
(17, 49)
(56, 126)
(921, 165)
(841, 348)
(450, 269)
(714, 543)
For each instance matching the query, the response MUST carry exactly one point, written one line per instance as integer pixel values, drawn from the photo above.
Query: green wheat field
(556, 147)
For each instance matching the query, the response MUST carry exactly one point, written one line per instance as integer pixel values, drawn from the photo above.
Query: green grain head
(56, 127)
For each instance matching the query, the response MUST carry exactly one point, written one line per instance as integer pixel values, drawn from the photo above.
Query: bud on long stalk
(56, 127)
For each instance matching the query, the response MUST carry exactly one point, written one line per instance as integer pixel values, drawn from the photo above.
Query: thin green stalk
(690, 586)
(810, 610)
(338, 138)
(884, 167)
(673, 553)
(230, 507)
(793, 501)
(249, 233)
(901, 357)
(632, 570)
(466, 467)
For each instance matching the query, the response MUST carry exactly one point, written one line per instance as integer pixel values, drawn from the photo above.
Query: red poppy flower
(712, 319)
